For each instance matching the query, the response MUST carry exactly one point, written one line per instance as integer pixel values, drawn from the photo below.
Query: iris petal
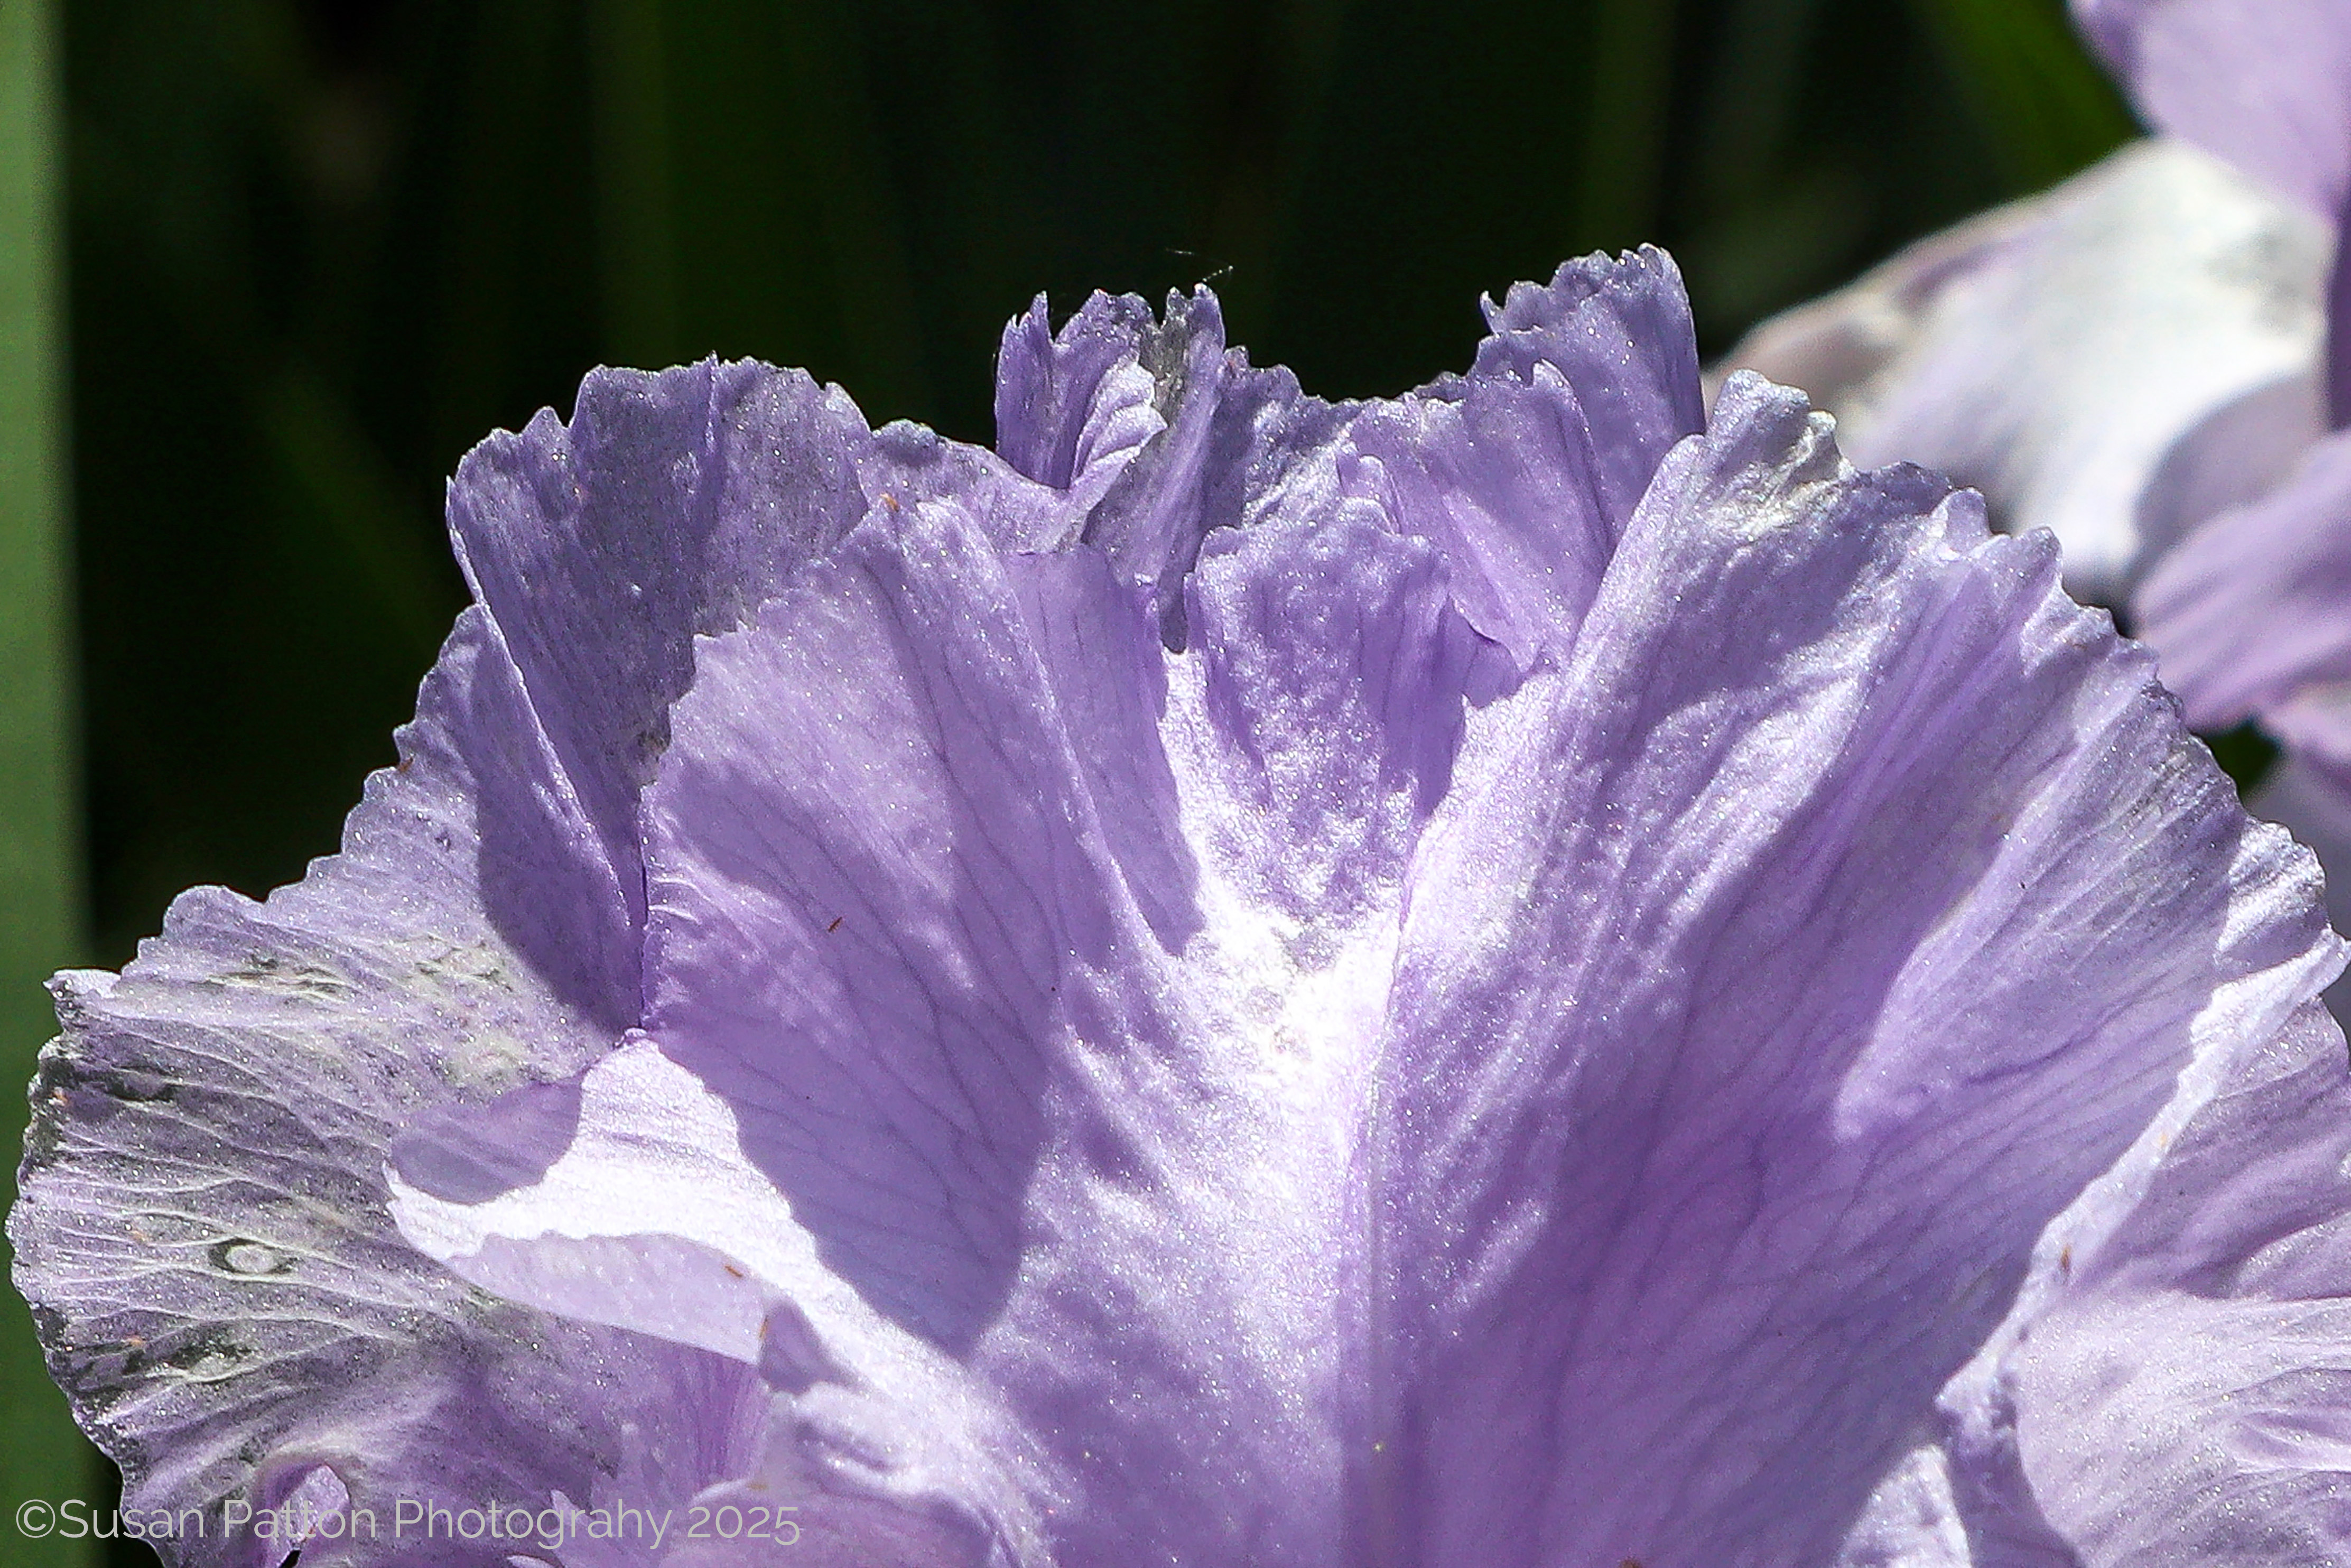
(1491, 979)
(203, 1222)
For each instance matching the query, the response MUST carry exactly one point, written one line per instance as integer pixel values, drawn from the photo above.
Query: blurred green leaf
(40, 896)
(634, 228)
(507, 92)
(796, 248)
(1751, 108)
(1627, 123)
(1769, 233)
(1778, 245)
(352, 507)
(2044, 102)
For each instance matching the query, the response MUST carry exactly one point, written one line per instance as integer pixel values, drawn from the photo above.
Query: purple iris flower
(1520, 977)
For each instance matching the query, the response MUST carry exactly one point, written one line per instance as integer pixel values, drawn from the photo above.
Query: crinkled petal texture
(2265, 84)
(1488, 980)
(2312, 801)
(2117, 360)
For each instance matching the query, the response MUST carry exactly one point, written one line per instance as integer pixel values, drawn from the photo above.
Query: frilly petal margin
(1728, 1097)
(202, 1229)
(1590, 1112)
(1072, 407)
(2251, 617)
(2313, 803)
(2116, 359)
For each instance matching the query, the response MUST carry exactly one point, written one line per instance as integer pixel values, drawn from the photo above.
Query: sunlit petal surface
(1519, 976)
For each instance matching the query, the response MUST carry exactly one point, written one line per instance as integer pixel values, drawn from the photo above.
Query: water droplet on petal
(251, 1257)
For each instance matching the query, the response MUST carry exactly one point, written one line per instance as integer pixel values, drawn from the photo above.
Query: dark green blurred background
(314, 251)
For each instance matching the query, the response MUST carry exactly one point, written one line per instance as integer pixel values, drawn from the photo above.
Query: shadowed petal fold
(670, 504)
(1072, 407)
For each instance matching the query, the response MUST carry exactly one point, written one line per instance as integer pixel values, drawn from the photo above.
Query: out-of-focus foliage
(2019, 70)
(40, 902)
